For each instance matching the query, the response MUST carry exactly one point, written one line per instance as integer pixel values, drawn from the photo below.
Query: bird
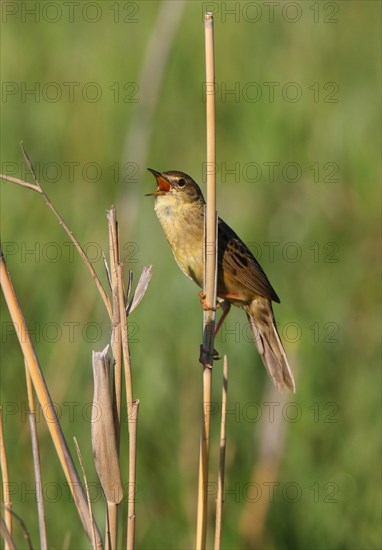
(241, 281)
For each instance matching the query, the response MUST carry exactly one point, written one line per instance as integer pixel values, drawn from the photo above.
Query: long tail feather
(268, 343)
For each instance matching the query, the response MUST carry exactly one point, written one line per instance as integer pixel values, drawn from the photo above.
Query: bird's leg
(207, 307)
(226, 306)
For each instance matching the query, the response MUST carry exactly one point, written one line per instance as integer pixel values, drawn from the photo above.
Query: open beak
(163, 185)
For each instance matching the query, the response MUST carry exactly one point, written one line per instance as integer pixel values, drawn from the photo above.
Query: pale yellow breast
(182, 224)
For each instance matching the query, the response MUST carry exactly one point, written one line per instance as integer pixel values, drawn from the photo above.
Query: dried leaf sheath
(104, 441)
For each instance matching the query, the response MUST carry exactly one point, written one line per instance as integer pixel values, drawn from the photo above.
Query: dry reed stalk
(112, 515)
(104, 443)
(220, 495)
(9, 544)
(36, 461)
(116, 337)
(125, 343)
(3, 528)
(132, 477)
(5, 484)
(121, 344)
(131, 419)
(87, 489)
(44, 398)
(116, 345)
(210, 256)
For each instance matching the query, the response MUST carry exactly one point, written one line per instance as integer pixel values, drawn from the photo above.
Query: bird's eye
(181, 182)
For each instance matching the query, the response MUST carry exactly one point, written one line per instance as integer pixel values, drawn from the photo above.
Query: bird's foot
(204, 304)
(204, 357)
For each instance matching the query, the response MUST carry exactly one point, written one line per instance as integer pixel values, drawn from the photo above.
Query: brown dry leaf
(104, 440)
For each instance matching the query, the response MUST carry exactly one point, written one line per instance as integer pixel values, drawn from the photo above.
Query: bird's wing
(239, 262)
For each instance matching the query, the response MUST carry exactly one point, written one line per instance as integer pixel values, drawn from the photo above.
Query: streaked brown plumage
(179, 206)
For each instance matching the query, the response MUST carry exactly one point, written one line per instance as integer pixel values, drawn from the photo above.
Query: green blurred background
(298, 179)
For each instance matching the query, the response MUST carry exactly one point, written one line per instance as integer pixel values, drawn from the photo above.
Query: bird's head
(176, 184)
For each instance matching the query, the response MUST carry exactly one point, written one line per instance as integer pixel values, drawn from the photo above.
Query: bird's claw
(204, 356)
(216, 355)
(203, 302)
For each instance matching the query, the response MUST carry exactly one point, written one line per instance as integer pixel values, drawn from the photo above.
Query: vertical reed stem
(210, 250)
(36, 462)
(220, 497)
(6, 486)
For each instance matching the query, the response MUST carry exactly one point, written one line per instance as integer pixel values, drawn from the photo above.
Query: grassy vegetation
(317, 238)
